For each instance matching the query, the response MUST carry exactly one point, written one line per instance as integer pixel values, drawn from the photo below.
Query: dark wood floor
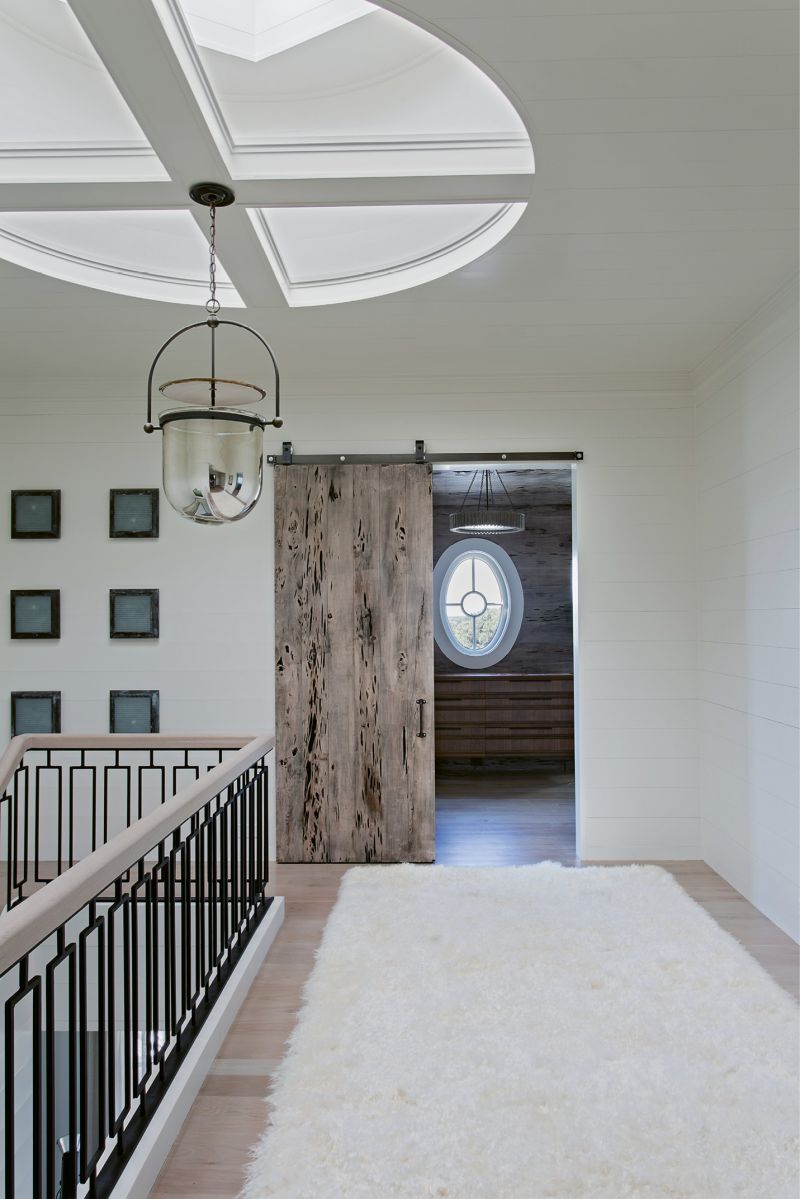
(504, 818)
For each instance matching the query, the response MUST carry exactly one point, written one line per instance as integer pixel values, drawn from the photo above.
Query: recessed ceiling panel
(353, 91)
(331, 255)
(61, 115)
(152, 255)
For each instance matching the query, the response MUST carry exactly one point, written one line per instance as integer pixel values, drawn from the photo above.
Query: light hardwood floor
(511, 821)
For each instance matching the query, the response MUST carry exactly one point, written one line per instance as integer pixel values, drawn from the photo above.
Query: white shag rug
(535, 1032)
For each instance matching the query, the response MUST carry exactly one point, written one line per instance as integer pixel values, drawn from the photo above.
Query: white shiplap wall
(747, 479)
(213, 663)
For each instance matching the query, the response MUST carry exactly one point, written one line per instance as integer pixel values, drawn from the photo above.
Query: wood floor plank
(511, 819)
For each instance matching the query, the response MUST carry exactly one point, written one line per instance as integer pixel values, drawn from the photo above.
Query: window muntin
(474, 600)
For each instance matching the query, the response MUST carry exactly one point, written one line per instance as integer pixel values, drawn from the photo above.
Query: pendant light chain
(213, 453)
(213, 304)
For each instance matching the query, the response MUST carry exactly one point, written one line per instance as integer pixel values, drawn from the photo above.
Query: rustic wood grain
(340, 663)
(354, 635)
(368, 834)
(419, 628)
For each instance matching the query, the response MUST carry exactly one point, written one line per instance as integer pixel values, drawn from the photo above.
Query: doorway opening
(504, 674)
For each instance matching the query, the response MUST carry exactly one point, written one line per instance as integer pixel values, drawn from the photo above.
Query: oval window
(475, 598)
(479, 603)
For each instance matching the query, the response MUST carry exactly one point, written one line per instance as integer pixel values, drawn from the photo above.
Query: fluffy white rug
(532, 1033)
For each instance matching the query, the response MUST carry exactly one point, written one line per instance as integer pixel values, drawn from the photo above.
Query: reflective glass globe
(213, 462)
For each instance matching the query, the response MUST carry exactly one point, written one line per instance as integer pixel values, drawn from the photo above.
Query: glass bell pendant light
(212, 450)
(482, 517)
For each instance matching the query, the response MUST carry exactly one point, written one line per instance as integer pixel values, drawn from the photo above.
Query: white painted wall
(747, 480)
(213, 662)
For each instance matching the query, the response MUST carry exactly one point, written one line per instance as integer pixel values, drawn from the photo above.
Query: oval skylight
(370, 155)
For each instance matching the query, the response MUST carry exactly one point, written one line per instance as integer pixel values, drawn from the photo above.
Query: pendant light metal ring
(213, 323)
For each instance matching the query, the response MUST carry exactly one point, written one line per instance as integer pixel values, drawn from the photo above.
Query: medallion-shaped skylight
(366, 155)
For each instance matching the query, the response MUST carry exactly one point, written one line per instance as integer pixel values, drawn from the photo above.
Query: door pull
(421, 703)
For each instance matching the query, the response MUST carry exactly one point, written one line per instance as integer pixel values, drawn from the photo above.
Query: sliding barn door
(354, 636)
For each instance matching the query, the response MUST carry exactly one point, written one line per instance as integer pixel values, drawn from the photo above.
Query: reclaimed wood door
(354, 642)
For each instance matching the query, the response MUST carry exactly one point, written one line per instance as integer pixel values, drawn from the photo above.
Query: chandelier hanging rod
(212, 323)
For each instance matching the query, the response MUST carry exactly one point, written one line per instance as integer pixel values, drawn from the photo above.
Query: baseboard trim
(142, 1170)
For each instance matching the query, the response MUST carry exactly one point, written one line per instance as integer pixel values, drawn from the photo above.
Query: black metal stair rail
(100, 1013)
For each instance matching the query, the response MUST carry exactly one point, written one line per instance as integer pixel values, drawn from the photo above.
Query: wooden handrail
(26, 925)
(19, 746)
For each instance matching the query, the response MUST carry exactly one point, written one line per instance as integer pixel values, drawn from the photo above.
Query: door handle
(421, 704)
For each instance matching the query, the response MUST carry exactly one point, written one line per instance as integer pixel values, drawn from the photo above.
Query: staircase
(134, 879)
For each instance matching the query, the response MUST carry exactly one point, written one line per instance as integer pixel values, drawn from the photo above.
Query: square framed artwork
(133, 612)
(133, 712)
(35, 614)
(133, 512)
(35, 712)
(35, 514)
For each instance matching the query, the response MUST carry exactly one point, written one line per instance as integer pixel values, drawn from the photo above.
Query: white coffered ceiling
(662, 213)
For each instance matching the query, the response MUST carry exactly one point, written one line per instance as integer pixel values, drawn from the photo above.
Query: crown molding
(737, 342)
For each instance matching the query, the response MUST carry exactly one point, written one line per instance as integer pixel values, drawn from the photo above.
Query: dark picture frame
(133, 512)
(24, 523)
(124, 622)
(50, 704)
(115, 716)
(19, 632)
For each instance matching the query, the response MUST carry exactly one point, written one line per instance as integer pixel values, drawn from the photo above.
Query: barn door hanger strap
(288, 457)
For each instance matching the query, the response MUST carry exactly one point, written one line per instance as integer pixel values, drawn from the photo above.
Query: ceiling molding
(77, 150)
(84, 262)
(378, 272)
(151, 58)
(366, 284)
(742, 338)
(371, 145)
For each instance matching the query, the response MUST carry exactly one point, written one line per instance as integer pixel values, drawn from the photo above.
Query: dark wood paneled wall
(489, 715)
(542, 555)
